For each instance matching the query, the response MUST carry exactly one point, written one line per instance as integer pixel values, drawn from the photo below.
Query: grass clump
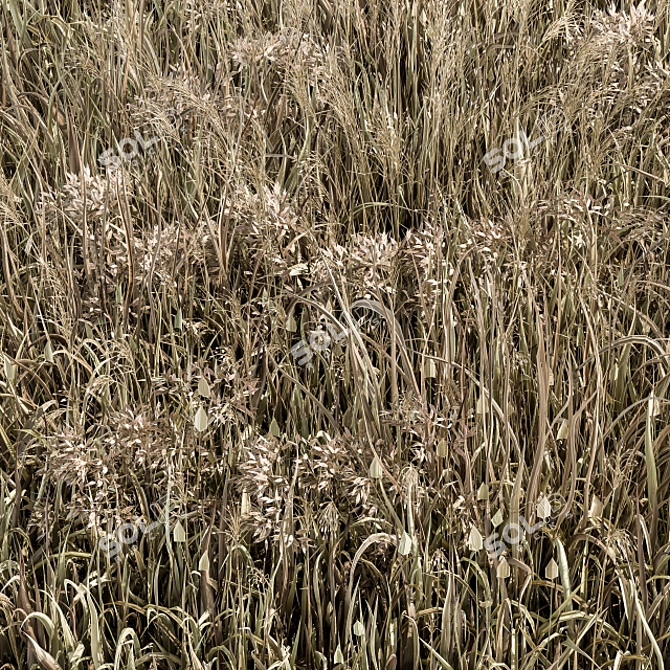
(341, 511)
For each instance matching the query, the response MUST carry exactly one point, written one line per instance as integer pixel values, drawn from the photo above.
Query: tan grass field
(334, 334)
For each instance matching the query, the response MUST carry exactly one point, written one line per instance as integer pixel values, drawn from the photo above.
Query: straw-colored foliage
(312, 153)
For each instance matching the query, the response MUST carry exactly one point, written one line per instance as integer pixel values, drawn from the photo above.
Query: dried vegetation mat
(191, 189)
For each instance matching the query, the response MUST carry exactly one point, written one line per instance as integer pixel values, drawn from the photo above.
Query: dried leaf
(179, 533)
(47, 661)
(245, 507)
(596, 510)
(475, 541)
(338, 659)
(376, 469)
(405, 545)
(10, 370)
(497, 519)
(203, 388)
(543, 508)
(551, 571)
(503, 570)
(201, 419)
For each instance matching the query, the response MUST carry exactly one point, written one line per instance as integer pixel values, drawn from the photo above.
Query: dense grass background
(312, 153)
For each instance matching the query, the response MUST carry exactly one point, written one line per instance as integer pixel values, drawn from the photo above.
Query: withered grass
(312, 153)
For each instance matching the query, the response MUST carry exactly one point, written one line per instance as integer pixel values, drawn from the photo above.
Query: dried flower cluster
(90, 197)
(330, 479)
